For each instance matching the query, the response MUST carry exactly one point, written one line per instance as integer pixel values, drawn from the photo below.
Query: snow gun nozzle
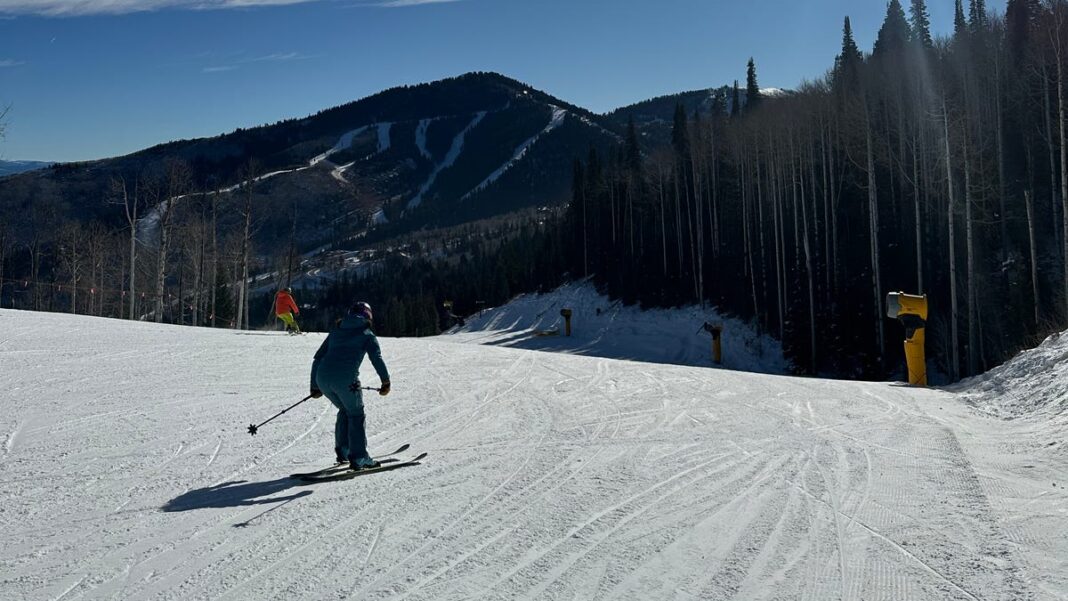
(252, 429)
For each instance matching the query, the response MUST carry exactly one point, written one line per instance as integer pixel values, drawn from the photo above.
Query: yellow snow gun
(911, 311)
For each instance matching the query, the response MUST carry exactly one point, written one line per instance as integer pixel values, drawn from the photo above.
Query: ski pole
(252, 429)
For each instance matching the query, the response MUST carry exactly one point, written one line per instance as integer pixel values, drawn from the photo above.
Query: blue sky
(88, 79)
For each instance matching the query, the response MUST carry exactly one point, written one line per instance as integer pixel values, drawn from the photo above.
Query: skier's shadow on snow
(235, 494)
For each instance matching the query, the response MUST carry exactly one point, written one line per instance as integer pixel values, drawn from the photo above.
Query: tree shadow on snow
(235, 494)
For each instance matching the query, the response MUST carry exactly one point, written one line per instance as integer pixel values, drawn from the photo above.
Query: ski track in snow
(549, 476)
(420, 138)
(383, 137)
(555, 121)
(9, 444)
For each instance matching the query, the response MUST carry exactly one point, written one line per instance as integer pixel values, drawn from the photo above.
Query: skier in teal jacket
(336, 374)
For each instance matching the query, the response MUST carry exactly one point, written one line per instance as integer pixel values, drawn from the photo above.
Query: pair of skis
(342, 471)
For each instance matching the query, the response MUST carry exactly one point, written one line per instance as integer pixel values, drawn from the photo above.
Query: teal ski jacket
(337, 362)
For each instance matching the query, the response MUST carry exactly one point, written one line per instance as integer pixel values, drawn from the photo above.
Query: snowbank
(604, 328)
(1032, 384)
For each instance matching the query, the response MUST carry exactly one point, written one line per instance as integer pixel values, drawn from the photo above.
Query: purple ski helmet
(362, 309)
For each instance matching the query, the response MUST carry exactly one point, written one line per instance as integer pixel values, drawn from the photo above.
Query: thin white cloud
(75, 8)
(275, 57)
(7, 62)
(403, 3)
(278, 57)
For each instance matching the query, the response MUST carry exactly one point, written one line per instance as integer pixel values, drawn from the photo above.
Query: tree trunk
(1047, 113)
(1062, 117)
(970, 246)
(1029, 205)
(214, 284)
(1000, 141)
(954, 366)
(808, 270)
(873, 209)
(161, 261)
(918, 220)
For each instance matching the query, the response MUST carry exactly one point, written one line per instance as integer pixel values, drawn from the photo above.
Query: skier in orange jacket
(285, 308)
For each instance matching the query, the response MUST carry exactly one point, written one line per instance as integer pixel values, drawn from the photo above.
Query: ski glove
(316, 393)
(384, 390)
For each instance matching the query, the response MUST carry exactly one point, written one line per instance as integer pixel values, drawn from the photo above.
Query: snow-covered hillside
(127, 474)
(604, 328)
(1033, 384)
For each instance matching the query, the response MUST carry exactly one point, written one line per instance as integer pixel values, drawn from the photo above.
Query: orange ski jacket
(284, 303)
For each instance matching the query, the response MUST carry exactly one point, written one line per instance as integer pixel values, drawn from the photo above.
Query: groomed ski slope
(127, 474)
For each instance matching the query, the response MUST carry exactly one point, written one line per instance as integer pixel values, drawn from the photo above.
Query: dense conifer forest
(930, 166)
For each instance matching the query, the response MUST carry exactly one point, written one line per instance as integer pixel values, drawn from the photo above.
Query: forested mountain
(476, 145)
(13, 167)
(934, 166)
(433, 155)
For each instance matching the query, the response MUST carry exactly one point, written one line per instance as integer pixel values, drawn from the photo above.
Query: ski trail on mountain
(455, 149)
(557, 119)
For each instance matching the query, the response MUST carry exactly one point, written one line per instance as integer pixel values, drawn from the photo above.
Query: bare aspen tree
(969, 229)
(6, 240)
(131, 205)
(873, 210)
(809, 271)
(242, 320)
(72, 258)
(167, 195)
(1030, 206)
(214, 257)
(1062, 122)
(954, 366)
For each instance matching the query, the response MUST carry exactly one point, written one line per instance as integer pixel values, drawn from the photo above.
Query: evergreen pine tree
(578, 218)
(921, 24)
(680, 134)
(736, 100)
(960, 25)
(633, 148)
(847, 65)
(895, 32)
(977, 15)
(752, 89)
(1019, 15)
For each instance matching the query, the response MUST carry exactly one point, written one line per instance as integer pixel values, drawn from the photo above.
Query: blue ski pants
(350, 438)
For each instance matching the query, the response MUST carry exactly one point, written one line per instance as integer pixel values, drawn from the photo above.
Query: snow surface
(455, 149)
(339, 172)
(605, 328)
(128, 474)
(555, 121)
(383, 137)
(344, 143)
(420, 138)
(1033, 384)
